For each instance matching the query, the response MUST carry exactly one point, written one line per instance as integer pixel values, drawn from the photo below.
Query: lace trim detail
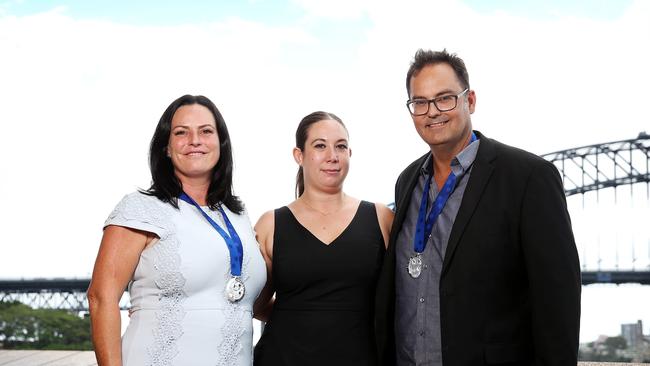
(138, 208)
(171, 282)
(169, 279)
(233, 327)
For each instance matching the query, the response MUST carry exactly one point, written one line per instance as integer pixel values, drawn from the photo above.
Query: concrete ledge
(610, 364)
(87, 358)
(50, 358)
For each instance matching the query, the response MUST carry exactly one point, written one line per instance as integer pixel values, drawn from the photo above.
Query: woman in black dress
(323, 253)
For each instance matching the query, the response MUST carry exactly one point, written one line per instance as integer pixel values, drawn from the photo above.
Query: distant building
(633, 334)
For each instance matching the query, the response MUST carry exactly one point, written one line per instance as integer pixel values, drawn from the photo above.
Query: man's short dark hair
(427, 57)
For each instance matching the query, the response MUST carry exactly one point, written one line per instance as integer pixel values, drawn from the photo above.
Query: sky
(83, 85)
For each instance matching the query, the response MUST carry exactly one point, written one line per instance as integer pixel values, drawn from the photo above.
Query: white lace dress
(181, 315)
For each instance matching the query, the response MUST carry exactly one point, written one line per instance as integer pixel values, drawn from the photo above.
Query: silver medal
(235, 289)
(415, 265)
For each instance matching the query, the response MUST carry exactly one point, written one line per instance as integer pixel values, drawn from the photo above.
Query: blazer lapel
(478, 179)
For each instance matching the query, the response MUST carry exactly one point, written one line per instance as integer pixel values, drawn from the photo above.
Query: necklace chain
(321, 212)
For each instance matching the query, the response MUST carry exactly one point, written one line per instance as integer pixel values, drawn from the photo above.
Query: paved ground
(87, 358)
(49, 358)
(606, 364)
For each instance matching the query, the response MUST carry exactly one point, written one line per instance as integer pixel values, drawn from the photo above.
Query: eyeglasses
(445, 103)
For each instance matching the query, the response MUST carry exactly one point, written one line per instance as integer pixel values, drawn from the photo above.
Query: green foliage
(614, 343)
(607, 351)
(22, 327)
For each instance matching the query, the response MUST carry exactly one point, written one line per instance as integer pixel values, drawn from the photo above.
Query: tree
(607, 350)
(22, 327)
(615, 343)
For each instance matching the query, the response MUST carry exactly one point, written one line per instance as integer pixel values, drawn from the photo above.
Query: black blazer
(510, 283)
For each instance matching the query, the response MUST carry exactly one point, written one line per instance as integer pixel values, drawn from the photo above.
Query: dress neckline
(321, 242)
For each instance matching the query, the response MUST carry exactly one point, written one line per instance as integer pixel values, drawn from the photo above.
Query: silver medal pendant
(235, 289)
(415, 265)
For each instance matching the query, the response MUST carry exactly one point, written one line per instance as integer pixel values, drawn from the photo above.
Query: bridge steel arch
(599, 166)
(607, 165)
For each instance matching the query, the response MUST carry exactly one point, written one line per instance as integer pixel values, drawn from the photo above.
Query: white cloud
(335, 9)
(547, 77)
(82, 99)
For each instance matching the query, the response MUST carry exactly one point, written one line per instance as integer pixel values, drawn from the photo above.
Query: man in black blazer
(481, 267)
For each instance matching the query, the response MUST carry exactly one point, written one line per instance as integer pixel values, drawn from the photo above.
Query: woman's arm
(264, 234)
(118, 256)
(385, 218)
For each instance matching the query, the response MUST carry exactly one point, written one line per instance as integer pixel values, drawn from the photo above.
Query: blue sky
(592, 9)
(341, 34)
(168, 13)
(150, 12)
(335, 34)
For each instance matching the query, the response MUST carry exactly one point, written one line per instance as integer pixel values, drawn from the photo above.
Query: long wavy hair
(166, 186)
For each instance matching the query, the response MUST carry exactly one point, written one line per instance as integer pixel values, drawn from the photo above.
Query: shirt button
(425, 266)
(422, 299)
(421, 333)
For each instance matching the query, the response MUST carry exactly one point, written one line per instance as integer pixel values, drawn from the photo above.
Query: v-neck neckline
(320, 241)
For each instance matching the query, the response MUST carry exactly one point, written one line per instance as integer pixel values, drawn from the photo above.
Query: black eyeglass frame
(435, 103)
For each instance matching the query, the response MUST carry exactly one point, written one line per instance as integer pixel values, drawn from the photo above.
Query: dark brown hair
(166, 186)
(424, 58)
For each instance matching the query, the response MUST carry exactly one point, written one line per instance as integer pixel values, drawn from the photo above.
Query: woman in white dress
(186, 250)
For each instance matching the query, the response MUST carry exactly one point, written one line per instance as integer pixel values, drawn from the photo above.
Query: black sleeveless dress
(323, 311)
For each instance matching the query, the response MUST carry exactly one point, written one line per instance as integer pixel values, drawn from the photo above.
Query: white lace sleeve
(138, 211)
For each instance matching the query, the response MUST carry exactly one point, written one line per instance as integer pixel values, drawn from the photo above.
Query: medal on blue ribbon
(425, 222)
(235, 288)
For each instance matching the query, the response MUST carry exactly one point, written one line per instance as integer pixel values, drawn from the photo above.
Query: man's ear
(471, 101)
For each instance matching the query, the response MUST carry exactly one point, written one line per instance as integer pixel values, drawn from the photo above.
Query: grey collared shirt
(417, 302)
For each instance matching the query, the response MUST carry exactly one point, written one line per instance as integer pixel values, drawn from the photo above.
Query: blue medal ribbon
(232, 241)
(425, 222)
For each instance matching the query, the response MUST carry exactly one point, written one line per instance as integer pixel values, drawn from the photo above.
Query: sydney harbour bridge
(602, 182)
